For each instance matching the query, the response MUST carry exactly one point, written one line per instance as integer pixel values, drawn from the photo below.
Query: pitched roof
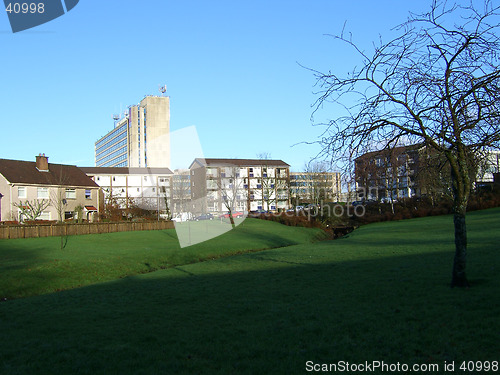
(240, 162)
(25, 172)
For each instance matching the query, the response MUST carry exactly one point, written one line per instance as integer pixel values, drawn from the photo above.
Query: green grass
(38, 265)
(381, 294)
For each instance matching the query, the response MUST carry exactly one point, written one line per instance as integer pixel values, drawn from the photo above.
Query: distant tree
(164, 195)
(231, 190)
(436, 83)
(181, 194)
(112, 209)
(79, 213)
(142, 208)
(58, 201)
(318, 180)
(31, 210)
(267, 182)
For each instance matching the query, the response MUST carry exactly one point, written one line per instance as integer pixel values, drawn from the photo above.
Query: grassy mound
(37, 265)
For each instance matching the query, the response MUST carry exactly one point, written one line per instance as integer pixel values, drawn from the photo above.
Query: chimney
(42, 163)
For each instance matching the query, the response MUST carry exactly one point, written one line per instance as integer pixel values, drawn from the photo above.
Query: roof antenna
(163, 89)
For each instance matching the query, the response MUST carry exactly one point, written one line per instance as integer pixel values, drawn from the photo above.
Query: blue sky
(232, 69)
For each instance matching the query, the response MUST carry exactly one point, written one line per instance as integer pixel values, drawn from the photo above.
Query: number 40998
(25, 8)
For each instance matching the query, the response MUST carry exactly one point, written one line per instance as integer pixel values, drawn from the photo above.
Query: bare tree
(58, 200)
(32, 210)
(231, 190)
(436, 83)
(267, 182)
(319, 181)
(164, 195)
(181, 195)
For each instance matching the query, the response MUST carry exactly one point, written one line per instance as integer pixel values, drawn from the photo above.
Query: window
(68, 215)
(45, 215)
(70, 193)
(88, 194)
(21, 192)
(42, 193)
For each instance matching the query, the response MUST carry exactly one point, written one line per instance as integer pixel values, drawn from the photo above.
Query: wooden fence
(49, 230)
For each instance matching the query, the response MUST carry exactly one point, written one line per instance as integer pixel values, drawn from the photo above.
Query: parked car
(234, 214)
(204, 217)
(182, 216)
(257, 213)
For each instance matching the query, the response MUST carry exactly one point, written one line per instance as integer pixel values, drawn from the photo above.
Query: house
(241, 184)
(64, 189)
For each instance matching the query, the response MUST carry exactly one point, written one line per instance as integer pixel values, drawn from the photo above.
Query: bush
(11, 222)
(39, 222)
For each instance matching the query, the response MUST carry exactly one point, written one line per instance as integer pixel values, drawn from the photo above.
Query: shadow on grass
(259, 314)
(21, 268)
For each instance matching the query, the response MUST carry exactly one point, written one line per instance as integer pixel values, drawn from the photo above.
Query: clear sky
(231, 68)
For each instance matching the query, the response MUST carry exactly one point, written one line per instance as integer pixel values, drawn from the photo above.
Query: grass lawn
(381, 294)
(38, 265)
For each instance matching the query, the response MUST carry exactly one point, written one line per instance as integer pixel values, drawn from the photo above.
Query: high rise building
(140, 138)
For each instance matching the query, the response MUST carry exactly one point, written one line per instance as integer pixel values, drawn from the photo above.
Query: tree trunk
(461, 191)
(459, 278)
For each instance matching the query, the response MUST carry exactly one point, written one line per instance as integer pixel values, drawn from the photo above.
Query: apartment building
(140, 137)
(242, 184)
(147, 188)
(315, 187)
(388, 174)
(412, 170)
(60, 189)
